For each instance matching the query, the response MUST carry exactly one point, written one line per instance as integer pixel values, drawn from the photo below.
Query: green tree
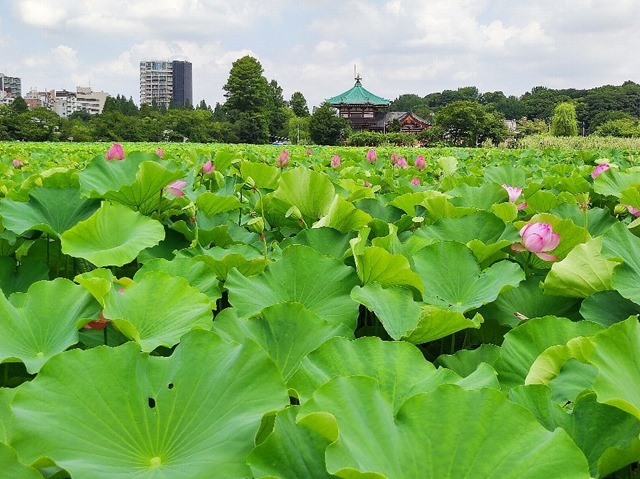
(564, 121)
(298, 104)
(247, 105)
(277, 111)
(299, 130)
(325, 128)
(467, 123)
(18, 105)
(623, 127)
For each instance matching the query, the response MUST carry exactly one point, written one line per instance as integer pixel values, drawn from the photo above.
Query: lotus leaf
(453, 279)
(503, 440)
(320, 283)
(125, 413)
(44, 321)
(113, 236)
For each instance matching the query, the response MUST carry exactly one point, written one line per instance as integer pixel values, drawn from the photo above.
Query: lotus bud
(207, 168)
(176, 187)
(599, 169)
(420, 162)
(335, 161)
(256, 224)
(372, 156)
(539, 239)
(116, 152)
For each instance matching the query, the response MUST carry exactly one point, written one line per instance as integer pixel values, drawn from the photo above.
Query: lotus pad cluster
(256, 312)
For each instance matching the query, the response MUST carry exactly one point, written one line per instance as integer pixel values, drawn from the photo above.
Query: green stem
(104, 334)
(453, 343)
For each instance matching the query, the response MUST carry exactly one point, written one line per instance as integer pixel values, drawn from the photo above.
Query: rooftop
(358, 95)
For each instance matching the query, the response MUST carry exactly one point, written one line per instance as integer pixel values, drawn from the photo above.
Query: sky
(398, 46)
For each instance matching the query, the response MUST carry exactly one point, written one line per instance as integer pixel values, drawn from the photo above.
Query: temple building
(369, 112)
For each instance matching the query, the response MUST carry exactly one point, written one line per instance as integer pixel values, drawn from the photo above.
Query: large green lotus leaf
(380, 208)
(529, 301)
(311, 192)
(291, 451)
(327, 241)
(581, 273)
(466, 361)
(137, 181)
(399, 367)
(286, 331)
(616, 354)
(439, 206)
(211, 204)
(6, 398)
(128, 414)
(435, 323)
(453, 280)
(343, 216)
(523, 345)
(12, 468)
(263, 176)
(377, 265)
(503, 440)
(101, 175)
(43, 322)
(98, 282)
(113, 236)
(607, 308)
(607, 436)
(51, 210)
(631, 196)
(394, 307)
(408, 201)
(320, 283)
(612, 182)
(16, 277)
(542, 201)
(195, 271)
(246, 259)
(597, 220)
(158, 310)
(482, 196)
(509, 175)
(620, 243)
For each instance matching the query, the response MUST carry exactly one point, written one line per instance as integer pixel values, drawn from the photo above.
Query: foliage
(466, 123)
(325, 128)
(298, 104)
(564, 121)
(210, 331)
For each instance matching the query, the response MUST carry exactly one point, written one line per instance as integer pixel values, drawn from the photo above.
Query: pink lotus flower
(372, 156)
(420, 162)
(176, 187)
(401, 162)
(366, 184)
(116, 152)
(514, 193)
(99, 323)
(159, 152)
(283, 159)
(634, 211)
(335, 161)
(207, 168)
(415, 181)
(394, 158)
(538, 238)
(308, 152)
(17, 163)
(599, 169)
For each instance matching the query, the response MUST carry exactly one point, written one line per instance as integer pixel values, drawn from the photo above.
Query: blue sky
(399, 46)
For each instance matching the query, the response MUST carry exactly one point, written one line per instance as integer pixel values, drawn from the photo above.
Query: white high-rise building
(10, 88)
(163, 82)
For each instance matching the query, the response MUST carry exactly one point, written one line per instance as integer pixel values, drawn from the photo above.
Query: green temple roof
(358, 95)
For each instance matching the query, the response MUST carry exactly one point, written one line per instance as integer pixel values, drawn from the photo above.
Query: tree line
(255, 111)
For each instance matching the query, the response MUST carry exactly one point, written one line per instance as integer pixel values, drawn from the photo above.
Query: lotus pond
(217, 311)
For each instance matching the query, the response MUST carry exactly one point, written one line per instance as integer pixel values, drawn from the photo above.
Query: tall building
(12, 86)
(165, 82)
(64, 102)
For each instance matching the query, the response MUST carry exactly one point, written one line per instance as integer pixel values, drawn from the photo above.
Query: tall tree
(247, 93)
(298, 104)
(326, 128)
(277, 110)
(564, 121)
(467, 123)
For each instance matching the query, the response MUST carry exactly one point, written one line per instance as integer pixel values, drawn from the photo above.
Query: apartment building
(165, 82)
(10, 87)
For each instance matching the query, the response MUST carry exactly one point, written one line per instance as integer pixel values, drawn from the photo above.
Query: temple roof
(358, 95)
